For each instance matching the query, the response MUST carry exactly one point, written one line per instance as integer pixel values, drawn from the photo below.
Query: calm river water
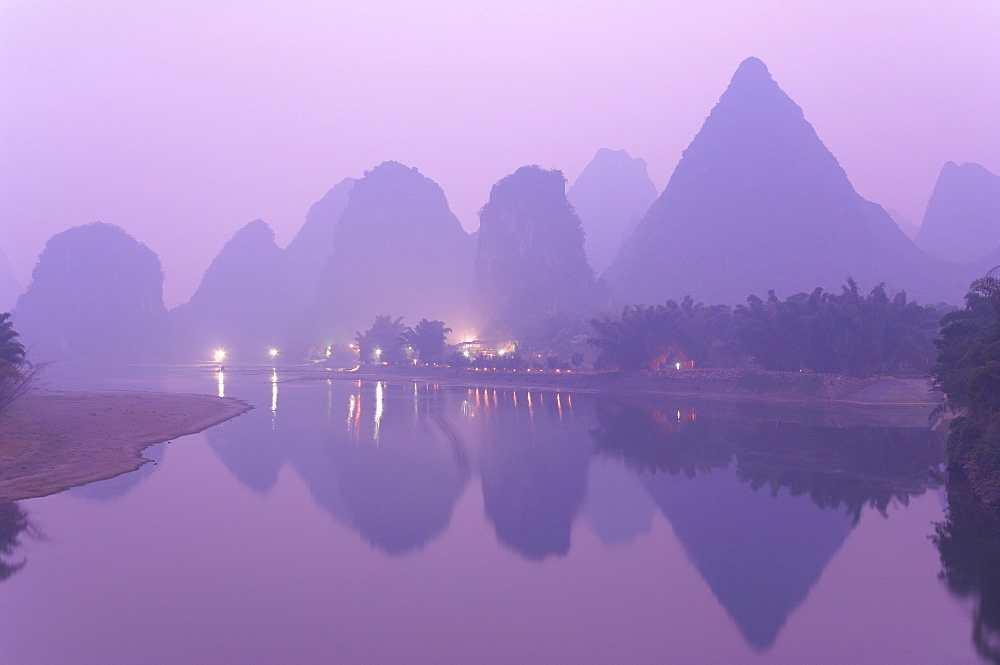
(394, 522)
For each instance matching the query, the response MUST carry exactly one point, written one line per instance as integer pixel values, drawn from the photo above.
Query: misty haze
(535, 333)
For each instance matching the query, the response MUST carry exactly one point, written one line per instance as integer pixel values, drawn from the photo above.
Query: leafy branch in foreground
(16, 373)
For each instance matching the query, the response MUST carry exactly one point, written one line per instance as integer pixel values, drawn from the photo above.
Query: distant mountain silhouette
(611, 195)
(10, 289)
(757, 202)
(96, 292)
(530, 263)
(399, 250)
(254, 295)
(241, 303)
(962, 221)
(312, 246)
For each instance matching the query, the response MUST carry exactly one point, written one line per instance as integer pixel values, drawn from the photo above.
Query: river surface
(399, 522)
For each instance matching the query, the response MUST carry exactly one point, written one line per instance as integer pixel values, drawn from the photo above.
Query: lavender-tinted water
(402, 522)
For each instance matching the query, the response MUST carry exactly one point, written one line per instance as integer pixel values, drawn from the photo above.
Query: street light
(219, 355)
(273, 353)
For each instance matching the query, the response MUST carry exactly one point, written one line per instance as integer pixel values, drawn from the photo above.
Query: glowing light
(219, 355)
(222, 383)
(677, 365)
(465, 353)
(502, 352)
(273, 353)
(378, 353)
(329, 351)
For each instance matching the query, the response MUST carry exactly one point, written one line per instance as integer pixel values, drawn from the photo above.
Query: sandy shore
(50, 441)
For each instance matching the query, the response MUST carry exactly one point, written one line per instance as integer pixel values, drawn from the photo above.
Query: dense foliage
(968, 372)
(845, 333)
(383, 342)
(427, 338)
(656, 336)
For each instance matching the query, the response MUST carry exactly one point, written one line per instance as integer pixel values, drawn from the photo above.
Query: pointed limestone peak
(755, 96)
(751, 70)
(758, 202)
(254, 232)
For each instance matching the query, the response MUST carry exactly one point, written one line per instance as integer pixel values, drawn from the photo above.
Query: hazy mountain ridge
(962, 221)
(757, 202)
(610, 196)
(241, 304)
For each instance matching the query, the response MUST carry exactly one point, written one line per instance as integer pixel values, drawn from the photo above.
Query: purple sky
(182, 121)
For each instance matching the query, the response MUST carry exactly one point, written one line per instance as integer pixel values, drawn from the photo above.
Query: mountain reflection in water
(761, 500)
(762, 551)
(761, 505)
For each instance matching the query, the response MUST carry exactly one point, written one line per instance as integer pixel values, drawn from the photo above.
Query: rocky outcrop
(757, 202)
(962, 221)
(96, 292)
(399, 250)
(610, 196)
(530, 264)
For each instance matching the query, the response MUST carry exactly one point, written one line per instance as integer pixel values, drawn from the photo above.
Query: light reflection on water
(734, 505)
(379, 407)
(274, 393)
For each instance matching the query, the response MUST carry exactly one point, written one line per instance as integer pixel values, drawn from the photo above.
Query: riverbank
(727, 384)
(51, 441)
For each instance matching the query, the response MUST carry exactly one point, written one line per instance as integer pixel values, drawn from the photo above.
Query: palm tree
(428, 338)
(11, 350)
(383, 341)
(16, 373)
